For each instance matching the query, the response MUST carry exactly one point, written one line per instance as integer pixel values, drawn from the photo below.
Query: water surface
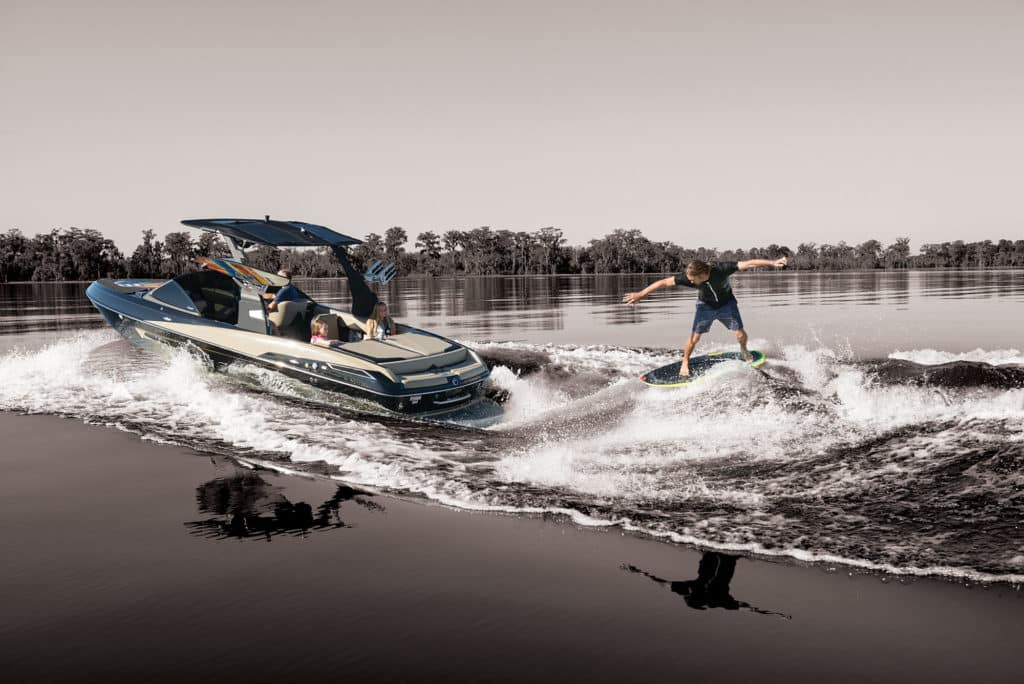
(884, 432)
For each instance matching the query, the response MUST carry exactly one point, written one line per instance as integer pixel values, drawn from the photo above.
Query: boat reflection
(245, 506)
(710, 589)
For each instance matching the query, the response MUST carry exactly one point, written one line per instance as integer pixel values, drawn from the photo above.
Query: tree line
(85, 254)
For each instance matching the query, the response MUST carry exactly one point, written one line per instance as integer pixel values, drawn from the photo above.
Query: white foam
(623, 443)
(528, 397)
(642, 454)
(931, 357)
(807, 556)
(889, 407)
(179, 401)
(814, 367)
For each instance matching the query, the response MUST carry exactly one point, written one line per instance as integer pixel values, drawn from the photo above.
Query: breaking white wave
(931, 357)
(809, 457)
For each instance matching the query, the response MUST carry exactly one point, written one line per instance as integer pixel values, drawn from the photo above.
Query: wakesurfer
(715, 300)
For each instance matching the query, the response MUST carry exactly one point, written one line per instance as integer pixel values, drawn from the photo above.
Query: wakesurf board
(668, 376)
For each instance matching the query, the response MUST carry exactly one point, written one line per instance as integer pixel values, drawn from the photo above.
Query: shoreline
(125, 569)
(935, 269)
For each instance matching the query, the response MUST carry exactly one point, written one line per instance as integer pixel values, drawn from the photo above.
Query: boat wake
(911, 464)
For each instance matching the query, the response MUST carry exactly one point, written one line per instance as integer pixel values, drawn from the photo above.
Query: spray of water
(817, 457)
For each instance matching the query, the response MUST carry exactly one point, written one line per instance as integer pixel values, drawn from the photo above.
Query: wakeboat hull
(129, 308)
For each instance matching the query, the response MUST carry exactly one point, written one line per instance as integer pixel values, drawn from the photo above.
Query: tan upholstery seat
(286, 313)
(332, 325)
(353, 322)
(341, 325)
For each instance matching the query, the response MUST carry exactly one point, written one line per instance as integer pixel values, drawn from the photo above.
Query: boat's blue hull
(137, 320)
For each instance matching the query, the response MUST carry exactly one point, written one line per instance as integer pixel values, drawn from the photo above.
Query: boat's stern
(424, 373)
(443, 390)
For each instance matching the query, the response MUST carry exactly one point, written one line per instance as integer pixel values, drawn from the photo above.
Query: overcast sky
(720, 124)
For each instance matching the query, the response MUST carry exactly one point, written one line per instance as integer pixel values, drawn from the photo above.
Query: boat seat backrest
(344, 326)
(286, 313)
(218, 305)
(332, 325)
(352, 322)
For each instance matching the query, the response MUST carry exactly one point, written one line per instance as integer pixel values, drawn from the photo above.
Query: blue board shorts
(728, 314)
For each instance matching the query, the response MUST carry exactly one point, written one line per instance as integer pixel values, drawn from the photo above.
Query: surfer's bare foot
(747, 356)
(684, 371)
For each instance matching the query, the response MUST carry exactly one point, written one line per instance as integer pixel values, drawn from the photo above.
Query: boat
(219, 312)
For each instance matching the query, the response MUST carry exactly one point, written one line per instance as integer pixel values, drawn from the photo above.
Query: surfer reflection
(246, 506)
(711, 588)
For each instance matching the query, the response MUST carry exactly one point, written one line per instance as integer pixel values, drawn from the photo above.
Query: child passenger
(320, 332)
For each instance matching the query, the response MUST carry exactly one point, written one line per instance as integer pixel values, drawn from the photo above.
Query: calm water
(868, 314)
(885, 431)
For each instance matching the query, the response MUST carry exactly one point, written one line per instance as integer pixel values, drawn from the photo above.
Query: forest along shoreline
(75, 254)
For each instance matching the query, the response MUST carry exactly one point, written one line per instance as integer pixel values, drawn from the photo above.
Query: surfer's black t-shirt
(715, 291)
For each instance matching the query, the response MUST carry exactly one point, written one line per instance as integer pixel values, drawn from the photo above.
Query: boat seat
(331, 321)
(217, 305)
(341, 325)
(355, 325)
(290, 319)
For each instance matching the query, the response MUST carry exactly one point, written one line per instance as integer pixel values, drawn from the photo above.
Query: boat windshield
(171, 293)
(214, 295)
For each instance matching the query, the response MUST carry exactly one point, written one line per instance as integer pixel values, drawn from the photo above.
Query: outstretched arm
(754, 263)
(639, 571)
(747, 608)
(634, 297)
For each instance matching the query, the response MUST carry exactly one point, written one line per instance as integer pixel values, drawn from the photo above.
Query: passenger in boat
(379, 325)
(320, 332)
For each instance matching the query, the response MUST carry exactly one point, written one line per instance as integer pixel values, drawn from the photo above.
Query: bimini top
(274, 233)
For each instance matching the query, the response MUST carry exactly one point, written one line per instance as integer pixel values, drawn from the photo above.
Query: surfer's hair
(698, 267)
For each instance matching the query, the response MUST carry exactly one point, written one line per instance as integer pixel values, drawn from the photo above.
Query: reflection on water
(870, 312)
(874, 311)
(710, 589)
(245, 506)
(829, 289)
(31, 307)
